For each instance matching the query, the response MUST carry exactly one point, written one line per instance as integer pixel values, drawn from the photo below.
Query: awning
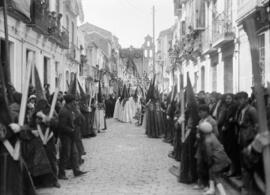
(23, 6)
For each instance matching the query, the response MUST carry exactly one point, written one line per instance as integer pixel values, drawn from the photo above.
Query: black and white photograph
(134, 97)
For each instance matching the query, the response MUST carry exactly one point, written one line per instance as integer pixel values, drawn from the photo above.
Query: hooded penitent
(123, 93)
(10, 168)
(136, 93)
(99, 93)
(72, 90)
(38, 87)
(119, 91)
(151, 90)
(128, 91)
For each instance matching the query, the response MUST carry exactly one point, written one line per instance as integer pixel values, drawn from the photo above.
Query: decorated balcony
(48, 23)
(19, 9)
(222, 30)
(71, 54)
(247, 7)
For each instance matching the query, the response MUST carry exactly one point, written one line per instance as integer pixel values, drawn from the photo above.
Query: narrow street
(123, 161)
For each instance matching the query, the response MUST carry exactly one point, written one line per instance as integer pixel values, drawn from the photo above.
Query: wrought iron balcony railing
(48, 23)
(222, 30)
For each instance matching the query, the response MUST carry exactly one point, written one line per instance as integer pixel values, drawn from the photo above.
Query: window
(214, 77)
(202, 78)
(27, 55)
(145, 53)
(183, 27)
(150, 53)
(56, 74)
(67, 22)
(261, 41)
(72, 33)
(67, 79)
(195, 80)
(46, 73)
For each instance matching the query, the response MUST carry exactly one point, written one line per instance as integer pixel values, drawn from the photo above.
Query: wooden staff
(15, 152)
(182, 96)
(7, 67)
(250, 28)
(48, 136)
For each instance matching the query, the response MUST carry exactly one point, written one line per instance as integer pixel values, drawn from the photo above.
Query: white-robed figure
(116, 108)
(117, 105)
(99, 117)
(134, 105)
(124, 108)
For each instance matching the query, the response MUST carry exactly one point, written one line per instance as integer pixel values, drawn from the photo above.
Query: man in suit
(67, 134)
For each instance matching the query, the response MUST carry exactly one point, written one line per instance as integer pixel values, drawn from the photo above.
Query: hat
(32, 97)
(205, 127)
(69, 98)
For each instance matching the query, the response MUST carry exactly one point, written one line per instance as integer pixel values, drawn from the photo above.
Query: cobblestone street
(124, 161)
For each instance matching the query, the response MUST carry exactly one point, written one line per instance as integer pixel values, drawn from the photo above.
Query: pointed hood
(5, 113)
(192, 106)
(152, 89)
(136, 93)
(99, 92)
(68, 85)
(38, 87)
(128, 91)
(73, 88)
(119, 91)
(82, 93)
(174, 92)
(123, 93)
(126, 95)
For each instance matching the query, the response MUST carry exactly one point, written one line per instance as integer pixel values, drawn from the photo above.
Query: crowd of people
(216, 136)
(46, 144)
(213, 135)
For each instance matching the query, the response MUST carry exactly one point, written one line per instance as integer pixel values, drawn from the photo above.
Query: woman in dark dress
(188, 173)
(10, 168)
(228, 131)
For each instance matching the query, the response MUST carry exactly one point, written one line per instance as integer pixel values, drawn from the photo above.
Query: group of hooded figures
(214, 136)
(38, 153)
(127, 105)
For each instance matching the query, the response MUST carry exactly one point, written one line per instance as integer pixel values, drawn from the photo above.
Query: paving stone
(123, 161)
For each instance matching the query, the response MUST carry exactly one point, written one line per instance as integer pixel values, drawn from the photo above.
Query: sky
(129, 20)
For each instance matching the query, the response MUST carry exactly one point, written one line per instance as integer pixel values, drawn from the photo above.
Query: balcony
(40, 17)
(207, 46)
(222, 30)
(15, 10)
(197, 45)
(71, 54)
(48, 23)
(247, 7)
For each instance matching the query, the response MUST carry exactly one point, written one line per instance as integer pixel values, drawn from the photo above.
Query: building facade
(212, 46)
(163, 62)
(148, 46)
(102, 57)
(47, 29)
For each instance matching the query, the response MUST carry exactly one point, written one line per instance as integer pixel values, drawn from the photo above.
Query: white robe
(99, 118)
(126, 115)
(116, 109)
